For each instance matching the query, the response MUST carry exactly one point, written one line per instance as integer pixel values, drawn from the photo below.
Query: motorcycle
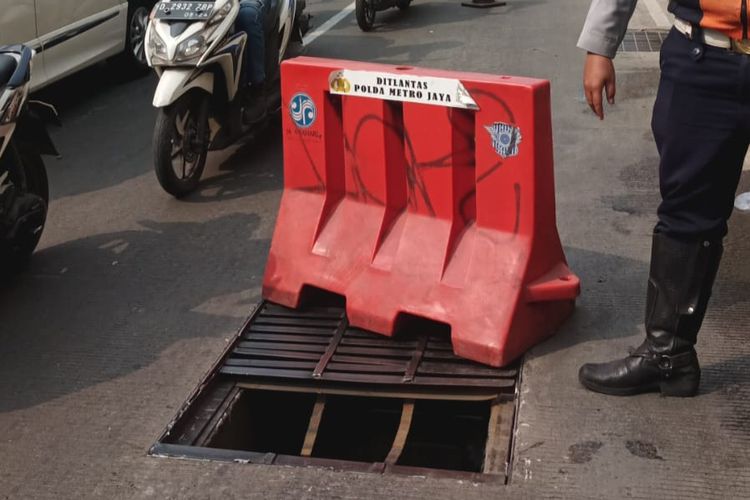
(199, 59)
(24, 192)
(365, 10)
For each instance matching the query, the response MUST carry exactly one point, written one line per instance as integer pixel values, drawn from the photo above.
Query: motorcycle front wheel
(181, 144)
(36, 174)
(365, 13)
(32, 179)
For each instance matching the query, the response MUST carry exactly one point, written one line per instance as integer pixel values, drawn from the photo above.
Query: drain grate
(302, 387)
(643, 40)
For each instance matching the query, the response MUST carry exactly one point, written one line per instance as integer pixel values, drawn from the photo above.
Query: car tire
(132, 62)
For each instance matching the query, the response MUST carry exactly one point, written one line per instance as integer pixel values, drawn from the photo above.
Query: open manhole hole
(302, 387)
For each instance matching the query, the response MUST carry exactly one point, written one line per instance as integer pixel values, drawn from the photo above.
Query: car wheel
(133, 59)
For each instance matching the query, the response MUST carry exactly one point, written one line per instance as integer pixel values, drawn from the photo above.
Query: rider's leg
(250, 20)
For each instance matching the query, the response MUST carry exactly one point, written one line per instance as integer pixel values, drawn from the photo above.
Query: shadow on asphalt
(728, 312)
(99, 308)
(613, 300)
(79, 88)
(254, 167)
(606, 280)
(107, 123)
(728, 377)
(106, 139)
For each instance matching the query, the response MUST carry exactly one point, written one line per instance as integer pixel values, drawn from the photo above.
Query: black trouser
(701, 124)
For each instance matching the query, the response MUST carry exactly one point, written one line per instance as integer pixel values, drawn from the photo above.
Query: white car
(69, 35)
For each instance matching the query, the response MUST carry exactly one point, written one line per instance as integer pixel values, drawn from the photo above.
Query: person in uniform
(701, 125)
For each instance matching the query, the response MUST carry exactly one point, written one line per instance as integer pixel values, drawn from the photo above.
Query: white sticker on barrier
(505, 138)
(447, 92)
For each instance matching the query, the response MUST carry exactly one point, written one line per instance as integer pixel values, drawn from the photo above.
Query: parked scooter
(199, 59)
(365, 10)
(24, 191)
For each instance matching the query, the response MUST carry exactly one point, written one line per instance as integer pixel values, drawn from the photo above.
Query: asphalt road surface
(132, 295)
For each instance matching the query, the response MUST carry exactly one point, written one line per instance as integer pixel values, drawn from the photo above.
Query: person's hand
(598, 76)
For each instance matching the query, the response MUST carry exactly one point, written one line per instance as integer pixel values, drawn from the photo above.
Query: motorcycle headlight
(220, 14)
(191, 48)
(157, 48)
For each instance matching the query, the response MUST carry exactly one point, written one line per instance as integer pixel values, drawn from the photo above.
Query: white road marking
(657, 13)
(326, 26)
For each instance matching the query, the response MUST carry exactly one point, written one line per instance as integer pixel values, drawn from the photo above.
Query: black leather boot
(679, 286)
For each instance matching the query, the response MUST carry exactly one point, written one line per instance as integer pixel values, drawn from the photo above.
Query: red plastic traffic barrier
(421, 192)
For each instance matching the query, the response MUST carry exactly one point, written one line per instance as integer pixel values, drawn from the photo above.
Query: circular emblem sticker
(505, 138)
(303, 111)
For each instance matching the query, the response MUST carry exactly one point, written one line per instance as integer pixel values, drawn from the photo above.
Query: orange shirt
(728, 16)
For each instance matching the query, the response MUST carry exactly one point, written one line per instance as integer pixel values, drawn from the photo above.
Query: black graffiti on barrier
(417, 188)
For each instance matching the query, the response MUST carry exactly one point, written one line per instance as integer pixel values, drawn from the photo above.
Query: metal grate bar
(411, 369)
(335, 341)
(643, 41)
(284, 343)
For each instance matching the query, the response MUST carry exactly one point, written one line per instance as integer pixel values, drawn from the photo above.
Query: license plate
(184, 11)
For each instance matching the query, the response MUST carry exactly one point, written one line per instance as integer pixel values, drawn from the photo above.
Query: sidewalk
(575, 444)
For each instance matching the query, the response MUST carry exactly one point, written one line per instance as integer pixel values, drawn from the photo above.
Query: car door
(77, 33)
(18, 25)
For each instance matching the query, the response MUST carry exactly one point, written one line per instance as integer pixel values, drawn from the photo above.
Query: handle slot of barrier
(373, 174)
(395, 169)
(333, 178)
(464, 181)
(442, 176)
(373, 141)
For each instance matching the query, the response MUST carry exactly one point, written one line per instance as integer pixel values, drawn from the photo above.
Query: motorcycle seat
(8, 66)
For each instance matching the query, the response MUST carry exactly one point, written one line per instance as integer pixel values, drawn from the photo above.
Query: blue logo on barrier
(505, 138)
(303, 110)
